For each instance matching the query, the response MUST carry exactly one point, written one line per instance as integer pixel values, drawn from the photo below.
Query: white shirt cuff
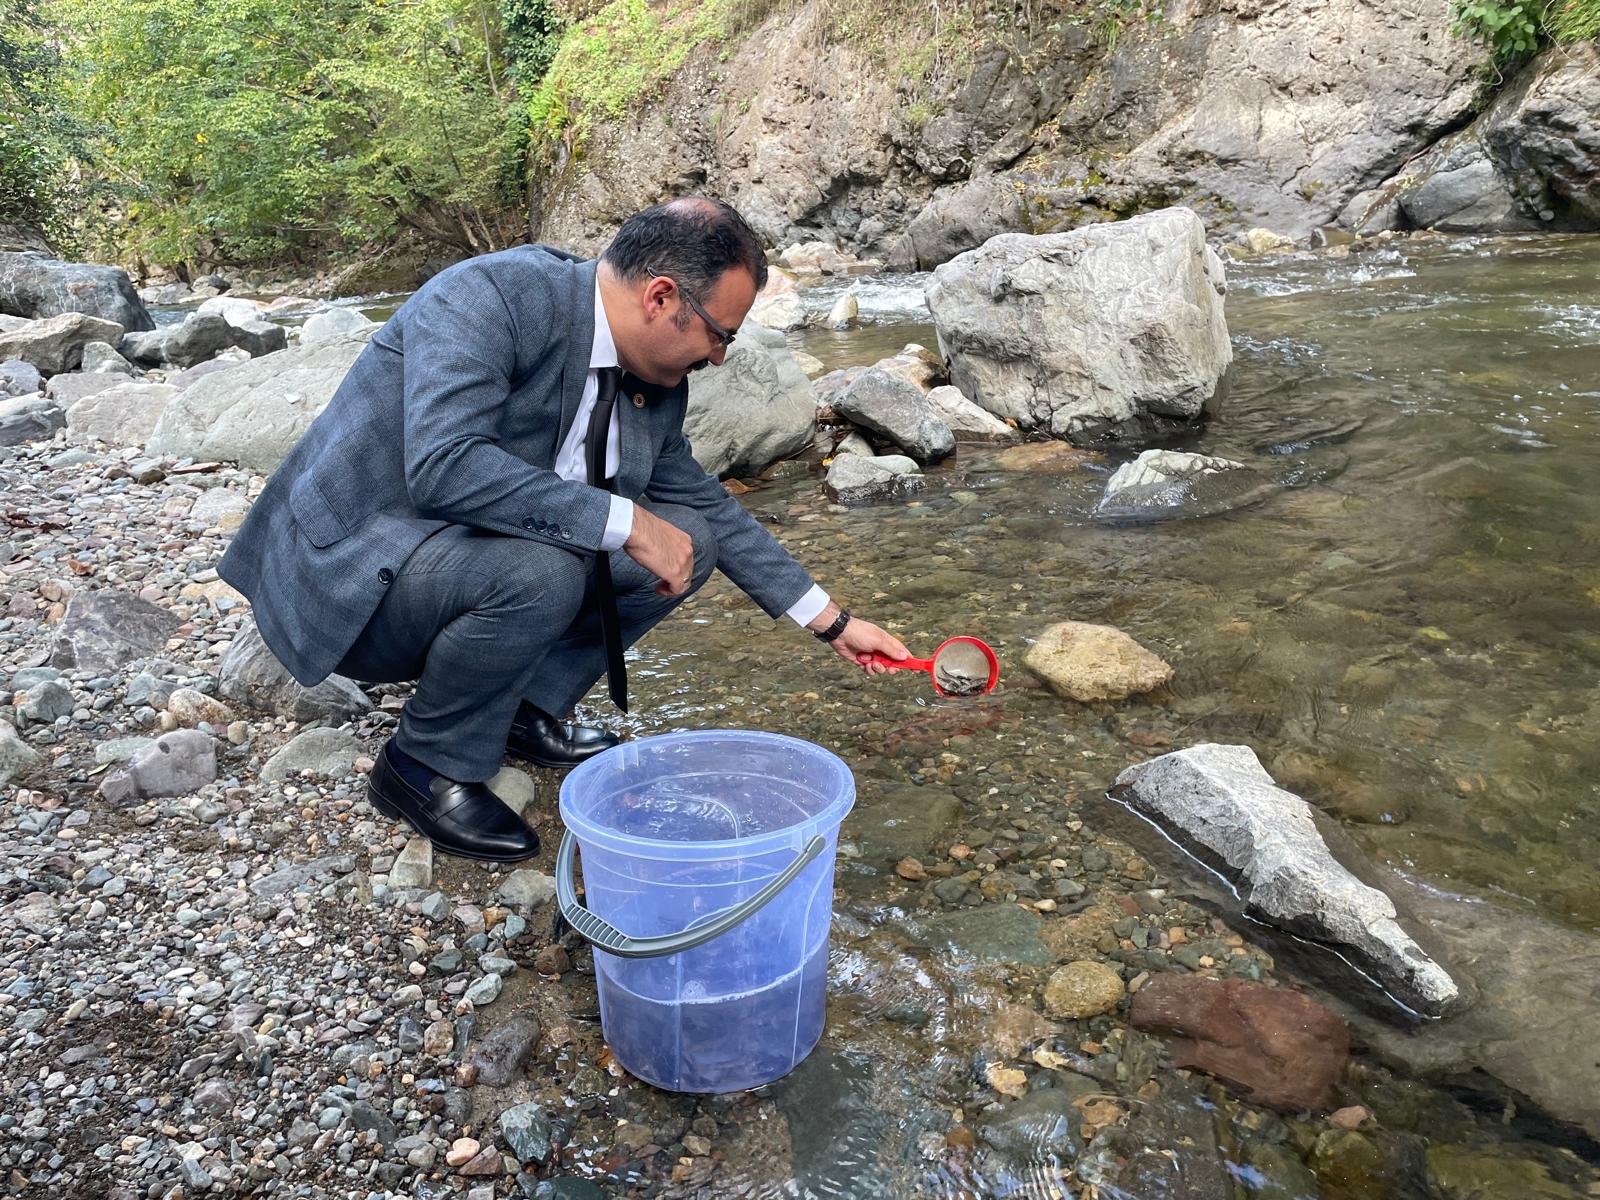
(805, 609)
(619, 525)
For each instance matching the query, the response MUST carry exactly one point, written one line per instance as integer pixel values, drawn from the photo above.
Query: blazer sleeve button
(566, 535)
(385, 575)
(527, 522)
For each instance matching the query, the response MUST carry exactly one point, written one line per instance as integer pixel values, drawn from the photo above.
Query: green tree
(33, 131)
(264, 130)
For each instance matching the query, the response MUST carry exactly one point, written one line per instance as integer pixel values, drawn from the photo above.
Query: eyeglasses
(722, 335)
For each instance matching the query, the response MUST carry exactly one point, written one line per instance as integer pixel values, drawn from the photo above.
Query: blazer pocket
(313, 515)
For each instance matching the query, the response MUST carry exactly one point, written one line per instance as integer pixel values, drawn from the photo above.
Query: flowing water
(1405, 631)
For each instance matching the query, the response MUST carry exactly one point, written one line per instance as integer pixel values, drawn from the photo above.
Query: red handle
(905, 664)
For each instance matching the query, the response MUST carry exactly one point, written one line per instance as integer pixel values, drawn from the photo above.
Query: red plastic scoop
(961, 666)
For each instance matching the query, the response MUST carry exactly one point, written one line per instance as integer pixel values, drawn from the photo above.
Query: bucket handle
(612, 940)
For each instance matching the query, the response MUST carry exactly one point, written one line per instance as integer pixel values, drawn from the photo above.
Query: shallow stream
(1409, 639)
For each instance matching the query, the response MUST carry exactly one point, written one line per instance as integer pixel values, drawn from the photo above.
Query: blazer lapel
(580, 343)
(636, 464)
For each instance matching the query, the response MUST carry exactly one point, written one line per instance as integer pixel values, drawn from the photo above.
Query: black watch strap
(834, 630)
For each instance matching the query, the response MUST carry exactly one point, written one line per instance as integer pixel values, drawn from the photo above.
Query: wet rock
(888, 405)
(37, 286)
(857, 479)
(55, 344)
(990, 933)
(104, 630)
(1094, 662)
(901, 821)
(1013, 1027)
(1275, 1047)
(330, 752)
(16, 756)
(251, 675)
(526, 1129)
(756, 408)
(844, 312)
(1540, 133)
(1468, 1173)
(1267, 841)
(1042, 1125)
(966, 420)
(122, 415)
(1159, 479)
(1083, 989)
(179, 763)
(1169, 1150)
(1111, 330)
(501, 1055)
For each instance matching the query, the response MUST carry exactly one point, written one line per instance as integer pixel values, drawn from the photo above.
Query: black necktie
(605, 591)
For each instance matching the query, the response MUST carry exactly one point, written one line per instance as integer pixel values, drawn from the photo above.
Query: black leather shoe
(539, 738)
(464, 819)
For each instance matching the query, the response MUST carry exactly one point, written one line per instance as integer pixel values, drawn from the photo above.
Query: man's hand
(663, 549)
(860, 640)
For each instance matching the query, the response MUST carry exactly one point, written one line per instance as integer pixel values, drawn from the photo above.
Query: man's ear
(657, 297)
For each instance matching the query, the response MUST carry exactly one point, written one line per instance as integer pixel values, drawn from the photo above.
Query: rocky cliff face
(1252, 112)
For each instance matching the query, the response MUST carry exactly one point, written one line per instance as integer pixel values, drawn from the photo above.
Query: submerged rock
(859, 479)
(1276, 1047)
(1223, 800)
(1159, 479)
(1110, 330)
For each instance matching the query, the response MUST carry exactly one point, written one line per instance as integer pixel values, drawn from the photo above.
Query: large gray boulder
(966, 420)
(757, 408)
(1455, 188)
(890, 406)
(251, 675)
(1220, 800)
(105, 630)
(69, 388)
(254, 413)
(1112, 330)
(37, 286)
(197, 339)
(55, 344)
(122, 415)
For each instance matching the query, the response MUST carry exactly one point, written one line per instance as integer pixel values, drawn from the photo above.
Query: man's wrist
(828, 615)
(832, 633)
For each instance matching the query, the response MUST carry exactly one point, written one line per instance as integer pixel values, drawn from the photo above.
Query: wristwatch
(834, 630)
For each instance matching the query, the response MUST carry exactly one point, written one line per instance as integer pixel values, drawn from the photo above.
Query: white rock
(1222, 798)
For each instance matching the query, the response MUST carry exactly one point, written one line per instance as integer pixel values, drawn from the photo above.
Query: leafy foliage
(256, 130)
(34, 133)
(1514, 29)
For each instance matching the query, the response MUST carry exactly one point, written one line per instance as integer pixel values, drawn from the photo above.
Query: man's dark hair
(693, 240)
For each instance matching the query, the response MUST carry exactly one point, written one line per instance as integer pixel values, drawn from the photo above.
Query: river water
(1409, 639)
(1406, 633)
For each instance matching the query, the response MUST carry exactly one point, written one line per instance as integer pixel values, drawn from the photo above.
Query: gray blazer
(453, 415)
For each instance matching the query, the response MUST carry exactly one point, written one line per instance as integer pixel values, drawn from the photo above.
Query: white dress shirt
(572, 463)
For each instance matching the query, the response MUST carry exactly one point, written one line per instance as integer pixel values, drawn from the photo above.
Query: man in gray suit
(499, 498)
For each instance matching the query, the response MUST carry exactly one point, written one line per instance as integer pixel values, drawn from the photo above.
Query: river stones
(1086, 663)
(889, 405)
(1222, 800)
(861, 479)
(1275, 1047)
(756, 408)
(1083, 989)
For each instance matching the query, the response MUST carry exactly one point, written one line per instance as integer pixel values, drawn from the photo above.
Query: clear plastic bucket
(722, 842)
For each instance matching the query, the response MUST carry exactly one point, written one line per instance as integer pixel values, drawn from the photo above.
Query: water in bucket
(676, 832)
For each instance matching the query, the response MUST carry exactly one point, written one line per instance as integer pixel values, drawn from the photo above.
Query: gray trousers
(483, 622)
